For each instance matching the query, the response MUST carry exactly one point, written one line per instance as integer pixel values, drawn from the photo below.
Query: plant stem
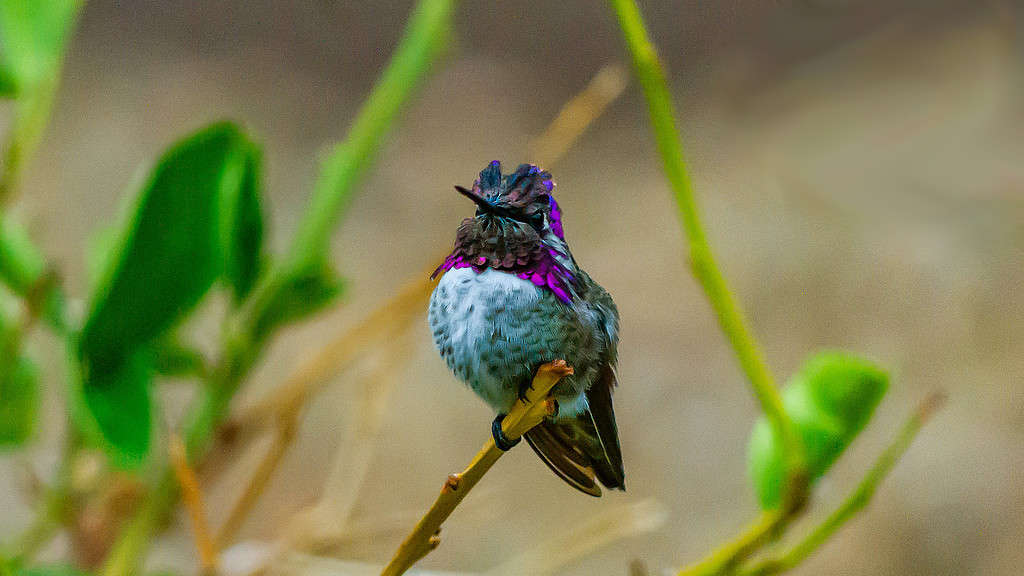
(49, 518)
(422, 41)
(31, 115)
(857, 500)
(733, 552)
(702, 259)
(523, 417)
(212, 407)
(425, 36)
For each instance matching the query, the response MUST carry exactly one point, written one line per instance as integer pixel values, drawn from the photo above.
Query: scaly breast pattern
(494, 329)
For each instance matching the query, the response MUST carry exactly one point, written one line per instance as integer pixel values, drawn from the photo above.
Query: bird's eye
(537, 221)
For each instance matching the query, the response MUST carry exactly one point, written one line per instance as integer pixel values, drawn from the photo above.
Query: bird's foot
(500, 440)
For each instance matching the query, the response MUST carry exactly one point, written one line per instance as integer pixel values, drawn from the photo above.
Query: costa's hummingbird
(512, 298)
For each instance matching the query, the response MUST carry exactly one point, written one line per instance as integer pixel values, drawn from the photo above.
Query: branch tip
(931, 404)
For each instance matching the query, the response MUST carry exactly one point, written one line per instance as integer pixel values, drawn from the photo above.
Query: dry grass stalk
(380, 325)
(284, 434)
(577, 541)
(296, 564)
(579, 113)
(638, 568)
(283, 406)
(326, 521)
(527, 414)
(193, 499)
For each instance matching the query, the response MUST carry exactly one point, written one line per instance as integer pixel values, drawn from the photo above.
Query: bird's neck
(544, 260)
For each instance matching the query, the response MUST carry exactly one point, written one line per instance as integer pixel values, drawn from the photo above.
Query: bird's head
(523, 196)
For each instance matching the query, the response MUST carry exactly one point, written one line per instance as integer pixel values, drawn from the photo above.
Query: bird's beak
(482, 202)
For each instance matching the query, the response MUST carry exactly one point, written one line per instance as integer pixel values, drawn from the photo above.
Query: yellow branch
(525, 415)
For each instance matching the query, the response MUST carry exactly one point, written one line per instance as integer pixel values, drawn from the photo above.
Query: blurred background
(859, 163)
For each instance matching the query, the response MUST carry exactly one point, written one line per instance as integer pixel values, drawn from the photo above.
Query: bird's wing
(608, 452)
(553, 442)
(584, 447)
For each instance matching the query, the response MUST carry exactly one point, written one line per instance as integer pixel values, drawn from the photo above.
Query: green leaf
(21, 263)
(303, 295)
(32, 38)
(8, 86)
(98, 248)
(171, 357)
(55, 570)
(19, 401)
(847, 387)
(169, 251)
(242, 227)
(118, 409)
(829, 401)
(162, 259)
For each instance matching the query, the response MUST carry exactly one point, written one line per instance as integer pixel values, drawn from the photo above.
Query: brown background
(859, 165)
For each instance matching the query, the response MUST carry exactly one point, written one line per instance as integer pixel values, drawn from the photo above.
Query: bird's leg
(500, 440)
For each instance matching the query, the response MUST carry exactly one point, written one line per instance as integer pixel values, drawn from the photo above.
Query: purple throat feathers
(514, 249)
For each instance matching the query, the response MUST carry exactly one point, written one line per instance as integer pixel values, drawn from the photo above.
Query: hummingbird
(511, 297)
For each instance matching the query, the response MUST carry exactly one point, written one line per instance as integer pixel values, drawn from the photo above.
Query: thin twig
(32, 112)
(422, 42)
(702, 259)
(582, 538)
(857, 500)
(284, 434)
(740, 547)
(705, 268)
(524, 416)
(638, 568)
(579, 113)
(287, 400)
(283, 406)
(425, 38)
(193, 499)
(328, 518)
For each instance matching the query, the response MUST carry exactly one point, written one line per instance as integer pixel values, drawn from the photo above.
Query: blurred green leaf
(19, 377)
(171, 357)
(8, 87)
(168, 253)
(21, 263)
(847, 387)
(98, 248)
(118, 409)
(19, 400)
(829, 400)
(304, 294)
(242, 227)
(161, 260)
(57, 570)
(32, 38)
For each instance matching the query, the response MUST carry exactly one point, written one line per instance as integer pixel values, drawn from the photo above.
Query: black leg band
(500, 440)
